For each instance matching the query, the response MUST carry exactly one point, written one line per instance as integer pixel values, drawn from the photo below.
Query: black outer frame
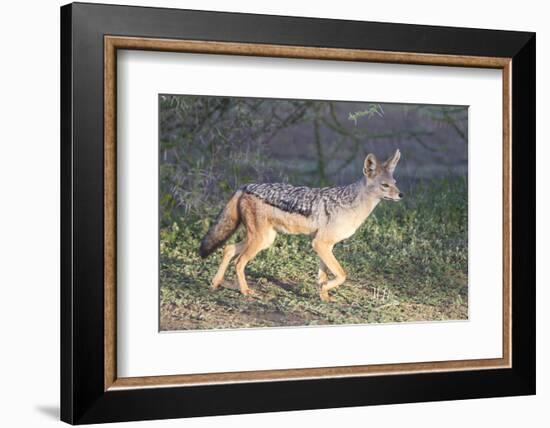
(83, 399)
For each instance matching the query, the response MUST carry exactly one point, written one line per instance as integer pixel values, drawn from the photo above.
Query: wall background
(29, 226)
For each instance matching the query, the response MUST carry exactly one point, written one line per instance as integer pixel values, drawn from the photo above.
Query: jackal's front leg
(324, 250)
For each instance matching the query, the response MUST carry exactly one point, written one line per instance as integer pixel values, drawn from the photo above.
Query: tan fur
(262, 222)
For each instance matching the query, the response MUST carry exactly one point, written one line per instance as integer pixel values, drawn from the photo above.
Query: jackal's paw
(215, 284)
(247, 292)
(325, 297)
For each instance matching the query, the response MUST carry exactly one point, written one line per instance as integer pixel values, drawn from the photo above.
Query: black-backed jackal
(329, 215)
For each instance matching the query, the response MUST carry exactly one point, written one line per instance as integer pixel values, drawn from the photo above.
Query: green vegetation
(408, 262)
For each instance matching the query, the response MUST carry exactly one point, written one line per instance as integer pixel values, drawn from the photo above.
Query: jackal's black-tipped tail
(225, 224)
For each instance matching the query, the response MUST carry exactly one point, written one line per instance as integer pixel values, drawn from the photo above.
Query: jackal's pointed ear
(391, 163)
(370, 167)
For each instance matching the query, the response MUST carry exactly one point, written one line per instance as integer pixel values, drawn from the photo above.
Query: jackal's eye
(385, 185)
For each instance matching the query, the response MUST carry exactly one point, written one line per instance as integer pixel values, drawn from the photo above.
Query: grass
(408, 262)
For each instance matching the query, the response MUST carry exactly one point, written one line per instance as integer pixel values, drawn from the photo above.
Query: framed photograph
(265, 213)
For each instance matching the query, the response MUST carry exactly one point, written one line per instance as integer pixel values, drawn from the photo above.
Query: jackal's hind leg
(322, 277)
(253, 247)
(229, 252)
(324, 250)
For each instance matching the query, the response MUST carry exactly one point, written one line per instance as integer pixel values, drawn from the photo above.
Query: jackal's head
(379, 175)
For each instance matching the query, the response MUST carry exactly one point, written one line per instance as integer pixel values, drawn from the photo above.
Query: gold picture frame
(114, 43)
